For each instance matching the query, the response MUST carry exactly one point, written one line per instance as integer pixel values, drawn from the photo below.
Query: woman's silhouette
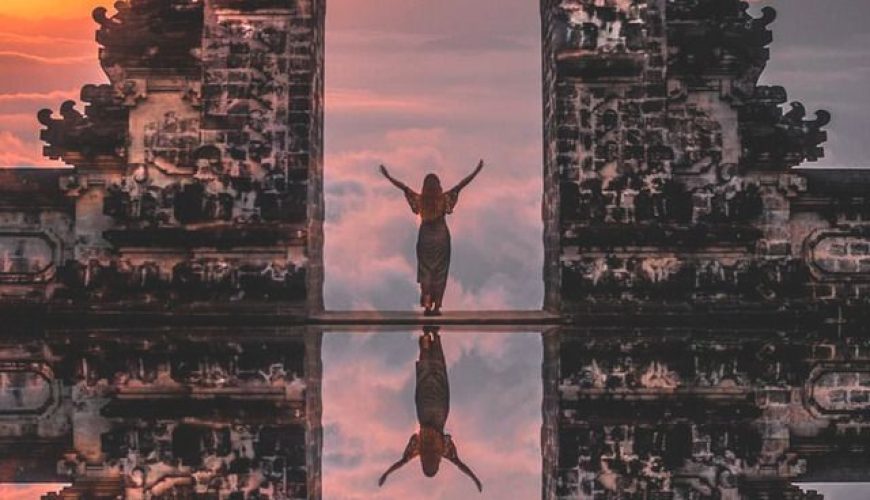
(433, 240)
(432, 398)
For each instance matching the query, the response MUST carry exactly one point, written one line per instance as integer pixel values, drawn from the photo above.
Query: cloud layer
(495, 415)
(424, 88)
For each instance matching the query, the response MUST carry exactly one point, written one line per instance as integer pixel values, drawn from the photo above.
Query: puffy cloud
(371, 233)
(369, 415)
(16, 152)
(454, 90)
(44, 62)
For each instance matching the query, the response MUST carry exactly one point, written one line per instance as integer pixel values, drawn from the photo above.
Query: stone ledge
(351, 319)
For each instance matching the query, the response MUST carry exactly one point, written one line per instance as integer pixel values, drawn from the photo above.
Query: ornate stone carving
(209, 134)
(163, 417)
(662, 146)
(656, 416)
(96, 137)
(149, 35)
(773, 140)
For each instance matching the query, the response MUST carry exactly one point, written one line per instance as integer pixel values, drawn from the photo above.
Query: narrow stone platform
(500, 320)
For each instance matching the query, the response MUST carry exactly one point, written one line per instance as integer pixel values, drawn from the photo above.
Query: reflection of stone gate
(151, 415)
(676, 229)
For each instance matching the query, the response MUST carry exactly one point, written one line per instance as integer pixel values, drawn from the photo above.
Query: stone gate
(706, 301)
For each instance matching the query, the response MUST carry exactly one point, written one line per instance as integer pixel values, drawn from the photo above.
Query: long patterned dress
(432, 398)
(432, 395)
(433, 244)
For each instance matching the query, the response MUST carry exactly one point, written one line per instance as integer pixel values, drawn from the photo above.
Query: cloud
(355, 40)
(42, 39)
(23, 106)
(48, 48)
(10, 57)
(52, 52)
(365, 101)
(372, 224)
(495, 418)
(838, 491)
(16, 152)
(484, 17)
(21, 73)
(479, 44)
(39, 96)
(452, 91)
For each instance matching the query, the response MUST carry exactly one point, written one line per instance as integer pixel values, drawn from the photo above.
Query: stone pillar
(550, 209)
(550, 413)
(263, 108)
(314, 412)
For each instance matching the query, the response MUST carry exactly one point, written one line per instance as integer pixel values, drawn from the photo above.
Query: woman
(432, 398)
(433, 240)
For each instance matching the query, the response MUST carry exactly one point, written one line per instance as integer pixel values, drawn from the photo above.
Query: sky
(449, 83)
(495, 415)
(433, 86)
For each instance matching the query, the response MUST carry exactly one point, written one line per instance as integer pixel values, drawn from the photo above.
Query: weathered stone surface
(703, 413)
(163, 416)
(193, 204)
(718, 294)
(197, 172)
(668, 170)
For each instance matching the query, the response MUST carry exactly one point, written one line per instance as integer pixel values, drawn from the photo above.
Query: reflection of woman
(432, 398)
(433, 240)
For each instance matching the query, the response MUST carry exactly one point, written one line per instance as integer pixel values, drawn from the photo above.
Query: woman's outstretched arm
(467, 180)
(451, 454)
(411, 451)
(396, 182)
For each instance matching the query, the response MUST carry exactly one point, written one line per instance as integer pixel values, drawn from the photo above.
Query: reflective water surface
(494, 414)
(558, 414)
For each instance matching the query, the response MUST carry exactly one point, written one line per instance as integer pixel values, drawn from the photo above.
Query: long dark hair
(431, 195)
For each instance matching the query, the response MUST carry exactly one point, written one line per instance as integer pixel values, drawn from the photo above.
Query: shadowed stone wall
(204, 414)
(196, 172)
(669, 171)
(706, 413)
